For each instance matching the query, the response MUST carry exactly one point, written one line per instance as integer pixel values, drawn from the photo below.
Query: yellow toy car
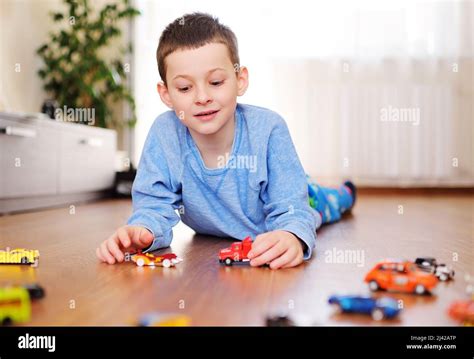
(15, 305)
(159, 319)
(19, 256)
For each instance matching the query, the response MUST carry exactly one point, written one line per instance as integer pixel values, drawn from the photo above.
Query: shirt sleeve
(155, 196)
(285, 192)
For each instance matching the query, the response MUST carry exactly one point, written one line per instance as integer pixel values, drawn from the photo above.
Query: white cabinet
(28, 164)
(86, 160)
(46, 163)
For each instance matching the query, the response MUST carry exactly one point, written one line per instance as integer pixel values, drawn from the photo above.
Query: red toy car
(148, 259)
(403, 276)
(237, 252)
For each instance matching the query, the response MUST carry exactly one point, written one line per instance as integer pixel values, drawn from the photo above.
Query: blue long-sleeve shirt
(259, 187)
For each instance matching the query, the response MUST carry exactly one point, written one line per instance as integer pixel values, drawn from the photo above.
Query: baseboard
(416, 190)
(15, 205)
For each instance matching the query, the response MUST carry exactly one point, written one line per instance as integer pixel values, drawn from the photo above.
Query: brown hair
(192, 31)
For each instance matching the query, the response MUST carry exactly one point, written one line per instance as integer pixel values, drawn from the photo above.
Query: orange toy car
(462, 311)
(401, 276)
(148, 259)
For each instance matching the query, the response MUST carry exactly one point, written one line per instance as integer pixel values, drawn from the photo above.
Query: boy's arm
(155, 195)
(286, 191)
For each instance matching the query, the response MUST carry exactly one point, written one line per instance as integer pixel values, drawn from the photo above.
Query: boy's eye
(186, 88)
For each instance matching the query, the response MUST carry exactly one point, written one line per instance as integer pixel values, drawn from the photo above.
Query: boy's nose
(202, 97)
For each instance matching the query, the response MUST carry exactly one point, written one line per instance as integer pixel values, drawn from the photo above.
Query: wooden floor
(82, 291)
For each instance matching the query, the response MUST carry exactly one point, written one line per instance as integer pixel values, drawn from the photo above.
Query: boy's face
(199, 80)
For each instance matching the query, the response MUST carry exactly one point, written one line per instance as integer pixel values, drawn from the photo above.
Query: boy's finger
(261, 245)
(105, 253)
(114, 249)
(298, 260)
(268, 256)
(97, 252)
(135, 235)
(284, 259)
(146, 237)
(260, 238)
(123, 237)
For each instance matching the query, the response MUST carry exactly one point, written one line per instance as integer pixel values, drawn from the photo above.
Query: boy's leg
(331, 203)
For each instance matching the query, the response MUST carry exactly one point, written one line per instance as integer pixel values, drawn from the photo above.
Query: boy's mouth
(207, 115)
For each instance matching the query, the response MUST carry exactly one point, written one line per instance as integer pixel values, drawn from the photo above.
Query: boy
(230, 169)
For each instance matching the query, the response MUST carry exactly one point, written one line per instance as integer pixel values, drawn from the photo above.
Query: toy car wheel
(443, 277)
(25, 260)
(420, 289)
(377, 314)
(7, 321)
(279, 321)
(140, 262)
(373, 286)
(228, 262)
(35, 291)
(166, 263)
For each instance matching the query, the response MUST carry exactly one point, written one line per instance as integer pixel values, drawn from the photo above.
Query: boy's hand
(126, 239)
(280, 249)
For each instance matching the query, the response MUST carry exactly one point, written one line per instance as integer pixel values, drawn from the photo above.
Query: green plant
(75, 70)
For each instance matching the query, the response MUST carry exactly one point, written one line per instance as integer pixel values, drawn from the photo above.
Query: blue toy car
(379, 308)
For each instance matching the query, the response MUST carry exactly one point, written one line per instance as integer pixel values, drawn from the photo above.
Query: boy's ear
(242, 80)
(164, 94)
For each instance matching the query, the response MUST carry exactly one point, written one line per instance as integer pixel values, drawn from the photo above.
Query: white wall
(24, 27)
(296, 51)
